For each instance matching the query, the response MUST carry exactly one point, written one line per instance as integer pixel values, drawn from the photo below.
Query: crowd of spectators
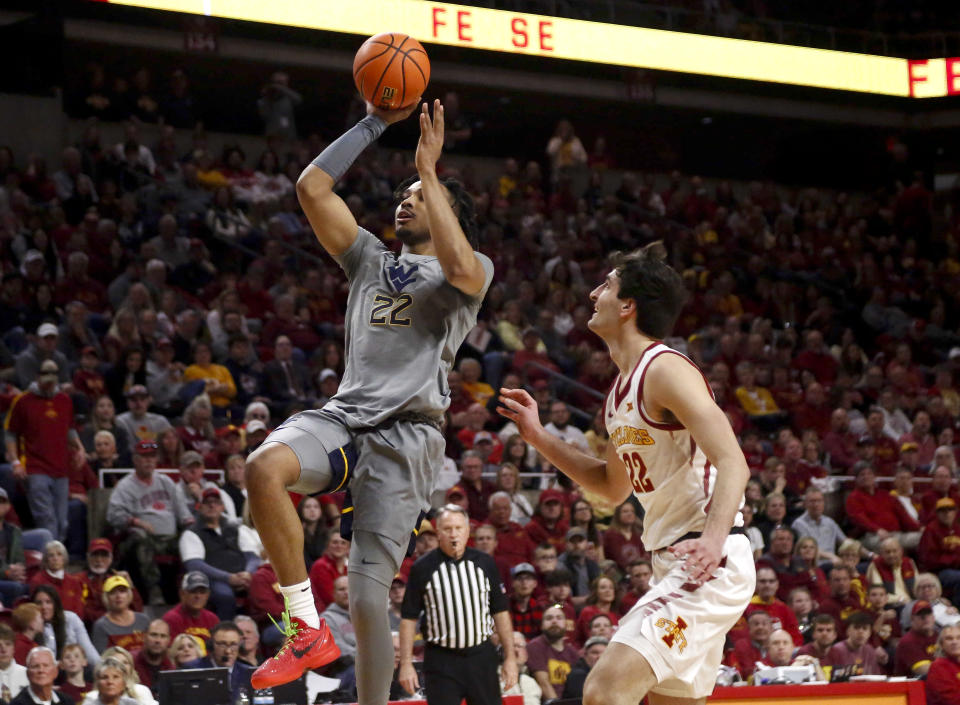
(163, 307)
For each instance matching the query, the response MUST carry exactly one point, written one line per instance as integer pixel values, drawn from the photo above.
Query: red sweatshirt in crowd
(42, 424)
(199, 625)
(939, 547)
(880, 510)
(943, 682)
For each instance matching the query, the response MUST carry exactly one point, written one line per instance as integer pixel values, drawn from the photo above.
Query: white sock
(300, 603)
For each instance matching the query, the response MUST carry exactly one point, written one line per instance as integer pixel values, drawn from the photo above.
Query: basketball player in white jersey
(672, 446)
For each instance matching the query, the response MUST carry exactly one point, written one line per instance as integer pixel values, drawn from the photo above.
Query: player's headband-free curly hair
(655, 287)
(463, 205)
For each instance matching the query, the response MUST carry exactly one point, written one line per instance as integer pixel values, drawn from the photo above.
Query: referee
(458, 591)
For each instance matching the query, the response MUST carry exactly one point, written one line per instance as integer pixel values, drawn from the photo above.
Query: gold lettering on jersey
(627, 435)
(674, 633)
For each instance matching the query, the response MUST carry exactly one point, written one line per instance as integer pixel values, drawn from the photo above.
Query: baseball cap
(195, 580)
(946, 503)
(32, 256)
(164, 343)
(103, 545)
(593, 641)
(89, 350)
(541, 384)
(227, 430)
(954, 352)
(400, 578)
(575, 531)
(115, 581)
(326, 373)
(136, 390)
(255, 426)
(190, 457)
(456, 490)
(865, 439)
(529, 331)
(522, 568)
(49, 367)
(909, 445)
(426, 528)
(921, 606)
(3, 495)
(551, 495)
(46, 329)
(482, 436)
(211, 492)
(146, 447)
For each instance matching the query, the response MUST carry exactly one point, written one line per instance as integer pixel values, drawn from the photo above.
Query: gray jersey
(404, 325)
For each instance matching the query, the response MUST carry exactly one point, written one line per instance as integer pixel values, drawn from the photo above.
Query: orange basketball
(391, 70)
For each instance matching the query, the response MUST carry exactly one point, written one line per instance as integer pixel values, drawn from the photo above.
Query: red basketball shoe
(304, 649)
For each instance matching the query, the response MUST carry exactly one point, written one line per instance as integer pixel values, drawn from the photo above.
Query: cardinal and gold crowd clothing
(840, 608)
(92, 593)
(943, 682)
(914, 651)
(42, 425)
(557, 664)
(105, 633)
(865, 658)
(199, 625)
(939, 547)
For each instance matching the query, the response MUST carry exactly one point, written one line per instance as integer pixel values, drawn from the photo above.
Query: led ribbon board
(597, 42)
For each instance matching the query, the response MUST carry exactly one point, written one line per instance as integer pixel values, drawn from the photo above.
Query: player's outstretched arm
(460, 265)
(605, 477)
(331, 220)
(675, 385)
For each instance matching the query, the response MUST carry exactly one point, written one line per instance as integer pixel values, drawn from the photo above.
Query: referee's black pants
(451, 675)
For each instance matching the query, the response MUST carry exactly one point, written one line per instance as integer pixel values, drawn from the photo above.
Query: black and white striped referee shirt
(458, 598)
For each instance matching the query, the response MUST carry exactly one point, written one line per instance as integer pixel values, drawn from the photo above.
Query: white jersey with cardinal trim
(671, 476)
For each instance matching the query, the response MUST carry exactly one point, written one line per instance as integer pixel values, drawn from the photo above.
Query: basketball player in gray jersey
(379, 436)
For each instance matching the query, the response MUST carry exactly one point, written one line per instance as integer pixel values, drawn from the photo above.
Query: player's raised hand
(391, 116)
(520, 407)
(431, 138)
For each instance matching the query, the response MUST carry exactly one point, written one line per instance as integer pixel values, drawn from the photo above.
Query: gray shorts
(392, 478)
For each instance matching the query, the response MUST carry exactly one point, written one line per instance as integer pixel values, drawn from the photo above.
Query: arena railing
(215, 474)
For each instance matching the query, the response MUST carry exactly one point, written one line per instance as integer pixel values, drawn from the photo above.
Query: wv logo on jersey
(400, 277)
(674, 633)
